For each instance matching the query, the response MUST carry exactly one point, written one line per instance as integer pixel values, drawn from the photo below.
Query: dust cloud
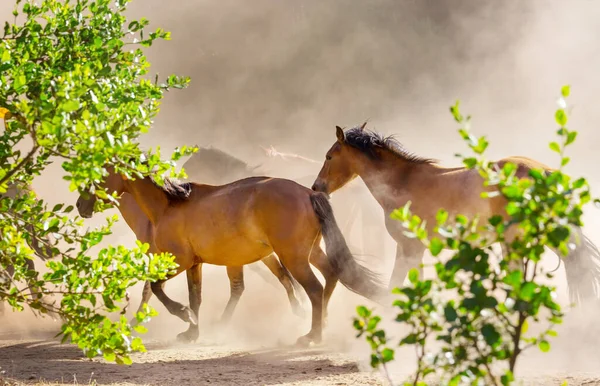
(285, 73)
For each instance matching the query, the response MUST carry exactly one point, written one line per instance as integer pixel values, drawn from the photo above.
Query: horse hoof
(188, 336)
(306, 341)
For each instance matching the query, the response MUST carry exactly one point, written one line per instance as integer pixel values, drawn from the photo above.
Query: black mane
(368, 142)
(176, 191)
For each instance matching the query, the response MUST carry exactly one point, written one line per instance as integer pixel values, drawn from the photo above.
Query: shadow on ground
(46, 360)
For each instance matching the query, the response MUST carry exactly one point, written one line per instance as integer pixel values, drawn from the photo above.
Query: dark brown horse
(395, 176)
(240, 223)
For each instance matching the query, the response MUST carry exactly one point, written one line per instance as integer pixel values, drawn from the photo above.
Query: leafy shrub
(469, 323)
(73, 89)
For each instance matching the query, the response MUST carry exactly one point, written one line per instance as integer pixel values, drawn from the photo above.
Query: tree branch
(25, 160)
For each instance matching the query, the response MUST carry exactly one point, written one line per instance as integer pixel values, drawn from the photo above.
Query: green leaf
(554, 146)
(413, 275)
(363, 311)
(470, 162)
(140, 328)
(571, 137)
(561, 117)
(19, 82)
(109, 355)
(527, 291)
(387, 355)
(507, 378)
(435, 246)
(450, 313)
(544, 345)
(70, 105)
(5, 56)
(490, 334)
(441, 217)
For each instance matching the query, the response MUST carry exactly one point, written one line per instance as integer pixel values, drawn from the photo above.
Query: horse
(41, 246)
(395, 176)
(217, 167)
(214, 166)
(240, 223)
(141, 226)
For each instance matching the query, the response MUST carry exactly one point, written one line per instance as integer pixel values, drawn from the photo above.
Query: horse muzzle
(320, 187)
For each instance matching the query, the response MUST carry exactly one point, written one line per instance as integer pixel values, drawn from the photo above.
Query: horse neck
(386, 177)
(151, 199)
(134, 216)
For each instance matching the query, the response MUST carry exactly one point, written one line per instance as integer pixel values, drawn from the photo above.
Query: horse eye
(328, 157)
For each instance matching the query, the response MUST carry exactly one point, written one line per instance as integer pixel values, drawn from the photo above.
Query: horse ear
(363, 126)
(339, 132)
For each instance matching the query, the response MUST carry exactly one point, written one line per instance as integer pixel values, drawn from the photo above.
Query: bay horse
(216, 167)
(240, 223)
(41, 246)
(395, 176)
(141, 226)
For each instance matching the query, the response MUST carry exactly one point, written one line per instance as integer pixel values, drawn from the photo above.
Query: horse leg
(286, 281)
(318, 258)
(182, 312)
(236, 285)
(299, 267)
(146, 295)
(409, 254)
(194, 279)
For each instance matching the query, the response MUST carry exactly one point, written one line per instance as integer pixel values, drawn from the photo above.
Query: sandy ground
(256, 348)
(32, 360)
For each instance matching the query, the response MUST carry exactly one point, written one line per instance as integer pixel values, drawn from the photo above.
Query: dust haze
(285, 73)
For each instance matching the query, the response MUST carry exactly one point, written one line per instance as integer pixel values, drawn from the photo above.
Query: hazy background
(284, 73)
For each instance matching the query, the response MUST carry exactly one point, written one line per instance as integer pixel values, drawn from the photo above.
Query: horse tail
(352, 275)
(582, 266)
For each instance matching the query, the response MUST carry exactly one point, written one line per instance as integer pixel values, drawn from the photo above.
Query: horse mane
(217, 161)
(368, 142)
(176, 191)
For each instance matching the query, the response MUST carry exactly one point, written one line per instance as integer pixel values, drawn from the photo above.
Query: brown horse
(395, 176)
(42, 247)
(216, 167)
(139, 223)
(240, 223)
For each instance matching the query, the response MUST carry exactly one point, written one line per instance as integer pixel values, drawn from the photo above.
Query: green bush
(470, 322)
(73, 88)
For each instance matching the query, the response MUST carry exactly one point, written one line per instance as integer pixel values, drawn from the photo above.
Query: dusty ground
(255, 349)
(32, 360)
